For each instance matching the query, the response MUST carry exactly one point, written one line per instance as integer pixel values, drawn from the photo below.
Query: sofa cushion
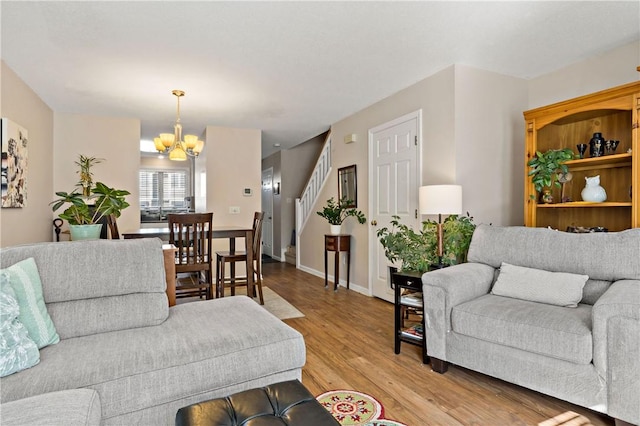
(535, 285)
(554, 331)
(202, 346)
(593, 289)
(25, 281)
(96, 286)
(76, 407)
(556, 251)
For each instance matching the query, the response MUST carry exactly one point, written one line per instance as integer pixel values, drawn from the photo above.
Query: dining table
(229, 231)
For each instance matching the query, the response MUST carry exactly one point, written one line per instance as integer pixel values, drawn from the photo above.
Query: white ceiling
(288, 68)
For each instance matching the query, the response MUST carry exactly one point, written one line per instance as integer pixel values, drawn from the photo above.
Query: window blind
(159, 188)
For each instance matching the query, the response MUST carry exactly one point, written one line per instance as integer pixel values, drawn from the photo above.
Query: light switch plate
(234, 210)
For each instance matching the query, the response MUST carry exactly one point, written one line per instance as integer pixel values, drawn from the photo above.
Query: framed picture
(347, 186)
(14, 164)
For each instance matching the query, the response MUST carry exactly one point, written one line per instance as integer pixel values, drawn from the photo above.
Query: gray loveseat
(588, 355)
(127, 356)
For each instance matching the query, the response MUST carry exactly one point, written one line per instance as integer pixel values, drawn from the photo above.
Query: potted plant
(544, 170)
(336, 212)
(86, 176)
(87, 205)
(417, 251)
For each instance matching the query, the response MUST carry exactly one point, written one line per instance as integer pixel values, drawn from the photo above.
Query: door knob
(374, 222)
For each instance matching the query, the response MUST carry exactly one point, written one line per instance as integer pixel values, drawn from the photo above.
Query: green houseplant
(417, 251)
(337, 212)
(86, 176)
(545, 167)
(105, 201)
(85, 212)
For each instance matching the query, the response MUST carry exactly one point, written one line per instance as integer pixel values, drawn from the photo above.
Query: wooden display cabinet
(614, 113)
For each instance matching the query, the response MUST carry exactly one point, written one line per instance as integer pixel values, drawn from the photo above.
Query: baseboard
(343, 283)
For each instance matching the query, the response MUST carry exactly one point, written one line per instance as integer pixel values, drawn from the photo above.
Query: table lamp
(440, 199)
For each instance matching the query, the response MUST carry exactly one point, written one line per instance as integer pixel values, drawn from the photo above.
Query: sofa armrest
(623, 374)
(74, 407)
(622, 299)
(445, 288)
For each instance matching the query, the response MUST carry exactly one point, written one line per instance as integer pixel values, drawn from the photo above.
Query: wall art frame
(13, 167)
(348, 186)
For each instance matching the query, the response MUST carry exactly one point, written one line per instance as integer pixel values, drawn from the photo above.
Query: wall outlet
(234, 210)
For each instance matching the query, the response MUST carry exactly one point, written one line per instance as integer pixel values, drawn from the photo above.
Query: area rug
(351, 408)
(273, 303)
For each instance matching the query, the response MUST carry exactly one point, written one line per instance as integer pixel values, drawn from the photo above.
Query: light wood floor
(349, 340)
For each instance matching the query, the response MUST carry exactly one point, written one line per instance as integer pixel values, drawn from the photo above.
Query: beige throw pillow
(535, 285)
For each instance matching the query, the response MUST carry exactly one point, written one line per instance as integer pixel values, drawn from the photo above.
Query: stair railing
(306, 202)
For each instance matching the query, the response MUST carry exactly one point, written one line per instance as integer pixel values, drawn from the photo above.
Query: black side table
(337, 243)
(411, 281)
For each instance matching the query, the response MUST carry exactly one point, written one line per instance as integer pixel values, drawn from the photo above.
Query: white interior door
(267, 208)
(393, 188)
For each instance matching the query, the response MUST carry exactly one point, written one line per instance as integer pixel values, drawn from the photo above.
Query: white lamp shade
(440, 199)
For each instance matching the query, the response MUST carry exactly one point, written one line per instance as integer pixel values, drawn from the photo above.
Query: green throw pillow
(17, 350)
(25, 281)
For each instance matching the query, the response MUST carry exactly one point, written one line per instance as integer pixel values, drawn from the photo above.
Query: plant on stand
(417, 251)
(336, 212)
(545, 168)
(84, 213)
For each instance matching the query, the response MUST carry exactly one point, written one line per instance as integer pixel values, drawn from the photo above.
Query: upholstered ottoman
(284, 403)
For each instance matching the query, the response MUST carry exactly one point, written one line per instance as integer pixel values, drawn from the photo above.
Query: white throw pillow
(535, 285)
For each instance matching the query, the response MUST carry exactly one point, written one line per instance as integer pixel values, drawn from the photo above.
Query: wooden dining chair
(191, 234)
(224, 257)
(113, 227)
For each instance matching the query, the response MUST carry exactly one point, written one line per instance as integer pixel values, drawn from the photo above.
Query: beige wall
(232, 163)
(472, 134)
(610, 69)
(116, 140)
(489, 134)
(22, 105)
(434, 96)
(465, 139)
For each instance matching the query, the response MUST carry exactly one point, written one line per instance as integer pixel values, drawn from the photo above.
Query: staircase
(305, 204)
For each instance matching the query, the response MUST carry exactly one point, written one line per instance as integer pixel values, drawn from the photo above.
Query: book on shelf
(412, 299)
(414, 332)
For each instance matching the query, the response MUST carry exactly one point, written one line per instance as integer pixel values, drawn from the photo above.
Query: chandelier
(173, 143)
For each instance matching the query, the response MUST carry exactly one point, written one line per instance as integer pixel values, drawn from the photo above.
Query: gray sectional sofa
(124, 356)
(588, 355)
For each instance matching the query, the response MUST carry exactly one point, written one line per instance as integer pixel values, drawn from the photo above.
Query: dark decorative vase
(596, 145)
(582, 147)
